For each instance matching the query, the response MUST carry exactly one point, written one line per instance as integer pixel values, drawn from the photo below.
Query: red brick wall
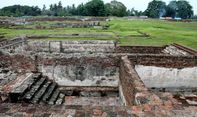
(104, 61)
(18, 63)
(130, 81)
(140, 49)
(22, 63)
(164, 60)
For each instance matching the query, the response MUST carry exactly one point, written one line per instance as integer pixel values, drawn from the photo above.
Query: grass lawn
(130, 32)
(161, 32)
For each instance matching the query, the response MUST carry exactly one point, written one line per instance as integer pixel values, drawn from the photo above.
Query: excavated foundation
(98, 74)
(83, 70)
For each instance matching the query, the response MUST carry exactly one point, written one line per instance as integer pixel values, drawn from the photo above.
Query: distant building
(137, 17)
(166, 18)
(178, 18)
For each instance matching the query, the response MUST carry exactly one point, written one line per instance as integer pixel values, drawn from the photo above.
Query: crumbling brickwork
(18, 63)
(140, 49)
(164, 60)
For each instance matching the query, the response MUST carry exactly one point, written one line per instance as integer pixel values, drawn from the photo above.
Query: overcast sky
(137, 4)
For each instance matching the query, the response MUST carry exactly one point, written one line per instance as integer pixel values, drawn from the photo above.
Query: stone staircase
(37, 89)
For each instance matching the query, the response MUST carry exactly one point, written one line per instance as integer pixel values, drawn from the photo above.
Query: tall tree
(116, 8)
(171, 9)
(156, 9)
(81, 10)
(18, 10)
(180, 8)
(44, 10)
(59, 6)
(184, 9)
(95, 8)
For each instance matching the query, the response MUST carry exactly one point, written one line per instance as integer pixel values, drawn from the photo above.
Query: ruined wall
(164, 60)
(11, 42)
(160, 77)
(88, 46)
(91, 71)
(126, 85)
(133, 89)
(17, 63)
(172, 50)
(130, 83)
(38, 46)
(140, 49)
(66, 19)
(70, 46)
(76, 24)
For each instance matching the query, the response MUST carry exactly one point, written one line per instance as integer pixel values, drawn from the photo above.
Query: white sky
(137, 4)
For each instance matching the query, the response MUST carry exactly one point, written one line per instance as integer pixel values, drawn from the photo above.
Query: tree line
(91, 8)
(156, 9)
(180, 8)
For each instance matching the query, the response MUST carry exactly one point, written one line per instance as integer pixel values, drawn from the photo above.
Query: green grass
(160, 32)
(11, 33)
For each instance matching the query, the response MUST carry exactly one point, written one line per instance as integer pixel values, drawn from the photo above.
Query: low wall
(12, 43)
(140, 49)
(18, 63)
(131, 86)
(70, 46)
(163, 60)
(66, 19)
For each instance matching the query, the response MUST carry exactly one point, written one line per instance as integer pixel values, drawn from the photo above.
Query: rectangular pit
(94, 80)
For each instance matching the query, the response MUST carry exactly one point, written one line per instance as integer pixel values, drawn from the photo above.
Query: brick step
(49, 92)
(41, 92)
(34, 89)
(54, 97)
(26, 85)
(60, 99)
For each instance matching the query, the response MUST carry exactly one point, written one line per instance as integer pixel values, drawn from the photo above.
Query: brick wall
(140, 49)
(130, 82)
(25, 63)
(18, 63)
(164, 60)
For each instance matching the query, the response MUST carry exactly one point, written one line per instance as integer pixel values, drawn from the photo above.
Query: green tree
(95, 8)
(134, 12)
(18, 10)
(184, 9)
(60, 10)
(156, 9)
(131, 12)
(81, 10)
(116, 8)
(171, 9)
(59, 6)
(180, 8)
(44, 10)
(108, 9)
